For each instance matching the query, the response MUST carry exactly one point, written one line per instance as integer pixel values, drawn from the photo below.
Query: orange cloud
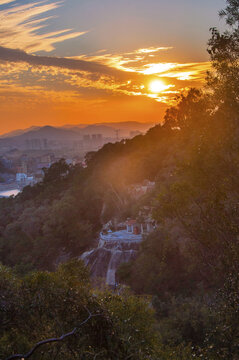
(52, 90)
(140, 61)
(89, 78)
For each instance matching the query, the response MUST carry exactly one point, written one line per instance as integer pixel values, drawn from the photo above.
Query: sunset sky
(87, 61)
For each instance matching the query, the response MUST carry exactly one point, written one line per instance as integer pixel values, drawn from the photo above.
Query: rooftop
(121, 236)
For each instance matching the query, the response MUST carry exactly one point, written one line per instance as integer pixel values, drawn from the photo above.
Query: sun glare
(157, 86)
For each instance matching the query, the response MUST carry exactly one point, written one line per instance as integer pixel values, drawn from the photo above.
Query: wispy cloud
(148, 61)
(189, 71)
(21, 27)
(3, 2)
(133, 61)
(19, 56)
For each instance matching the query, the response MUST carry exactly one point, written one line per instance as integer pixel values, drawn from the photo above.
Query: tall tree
(224, 51)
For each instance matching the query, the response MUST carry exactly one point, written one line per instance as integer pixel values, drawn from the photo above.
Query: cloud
(100, 86)
(148, 61)
(3, 2)
(143, 66)
(89, 79)
(130, 61)
(189, 71)
(21, 27)
(108, 71)
(19, 56)
(130, 73)
(152, 49)
(44, 89)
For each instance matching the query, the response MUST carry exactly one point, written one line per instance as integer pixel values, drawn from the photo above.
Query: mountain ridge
(125, 125)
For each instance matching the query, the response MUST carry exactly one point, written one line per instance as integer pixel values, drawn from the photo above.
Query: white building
(21, 177)
(24, 180)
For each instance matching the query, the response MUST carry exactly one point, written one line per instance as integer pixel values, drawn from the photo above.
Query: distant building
(96, 141)
(39, 175)
(21, 177)
(133, 227)
(45, 144)
(78, 145)
(24, 167)
(47, 158)
(41, 166)
(6, 162)
(24, 180)
(138, 190)
(70, 161)
(36, 144)
(143, 227)
(86, 138)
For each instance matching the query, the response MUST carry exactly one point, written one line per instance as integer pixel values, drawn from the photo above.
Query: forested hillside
(189, 266)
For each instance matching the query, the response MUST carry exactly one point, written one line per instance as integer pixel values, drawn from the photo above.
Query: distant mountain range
(18, 132)
(106, 129)
(72, 133)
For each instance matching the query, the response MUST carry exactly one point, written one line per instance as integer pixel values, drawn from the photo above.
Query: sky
(91, 61)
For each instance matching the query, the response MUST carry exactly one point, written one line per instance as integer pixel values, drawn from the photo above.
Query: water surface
(8, 193)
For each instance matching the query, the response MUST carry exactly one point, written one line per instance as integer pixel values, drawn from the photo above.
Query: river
(8, 193)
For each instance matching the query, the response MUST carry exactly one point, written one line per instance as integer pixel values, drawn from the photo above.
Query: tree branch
(52, 340)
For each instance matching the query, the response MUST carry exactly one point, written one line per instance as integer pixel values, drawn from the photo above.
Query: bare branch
(52, 340)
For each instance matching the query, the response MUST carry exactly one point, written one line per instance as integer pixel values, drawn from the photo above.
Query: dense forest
(182, 290)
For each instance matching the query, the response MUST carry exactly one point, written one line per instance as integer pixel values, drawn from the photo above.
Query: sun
(157, 86)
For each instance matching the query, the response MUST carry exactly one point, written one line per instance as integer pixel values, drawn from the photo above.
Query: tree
(222, 341)
(224, 51)
(57, 171)
(58, 315)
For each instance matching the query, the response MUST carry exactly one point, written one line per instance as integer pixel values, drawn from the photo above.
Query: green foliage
(231, 12)
(197, 249)
(160, 268)
(222, 341)
(194, 159)
(56, 172)
(45, 305)
(224, 51)
(53, 218)
(184, 320)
